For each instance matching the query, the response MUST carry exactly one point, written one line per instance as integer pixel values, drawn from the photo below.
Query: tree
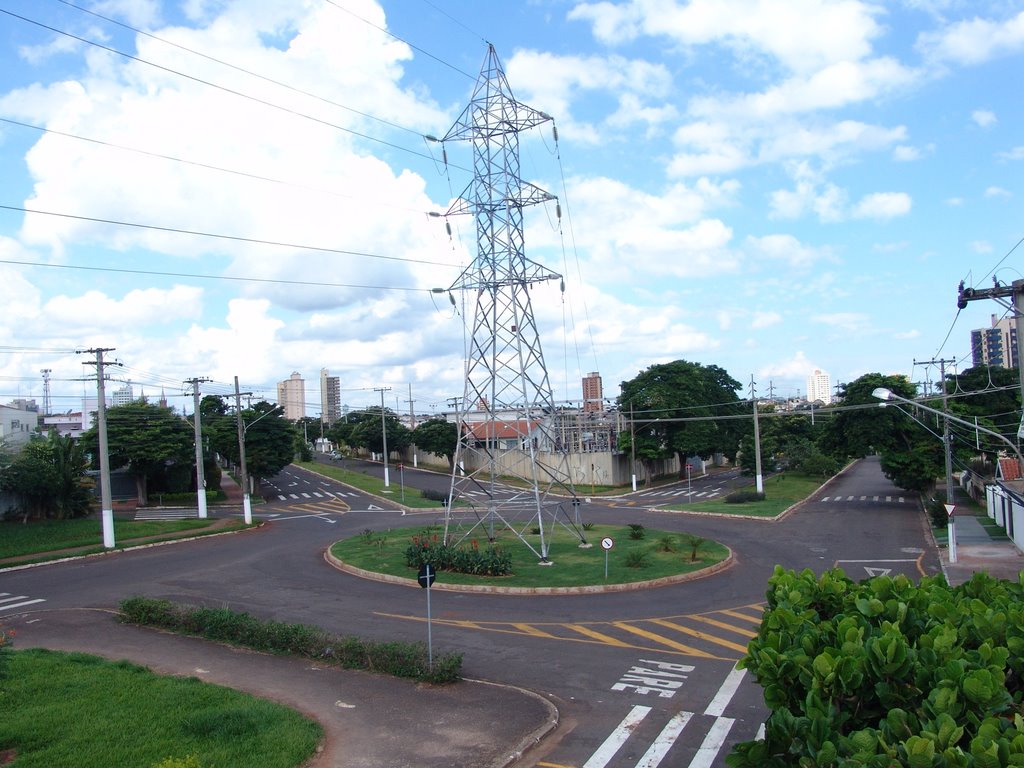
(437, 436)
(270, 439)
(678, 407)
(368, 434)
(861, 427)
(145, 438)
(992, 397)
(49, 478)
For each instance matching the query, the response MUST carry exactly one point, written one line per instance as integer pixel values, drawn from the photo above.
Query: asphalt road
(639, 677)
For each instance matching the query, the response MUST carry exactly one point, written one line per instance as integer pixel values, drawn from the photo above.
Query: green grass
(374, 485)
(71, 709)
(385, 553)
(781, 492)
(38, 536)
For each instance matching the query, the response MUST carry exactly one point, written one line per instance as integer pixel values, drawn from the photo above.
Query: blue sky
(770, 187)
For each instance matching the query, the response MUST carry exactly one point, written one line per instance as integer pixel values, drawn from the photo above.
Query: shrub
(635, 558)
(427, 547)
(888, 673)
(936, 507)
(432, 495)
(588, 526)
(243, 629)
(179, 762)
(694, 542)
(743, 497)
(667, 544)
(636, 531)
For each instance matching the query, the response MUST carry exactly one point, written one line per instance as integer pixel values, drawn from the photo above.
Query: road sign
(607, 543)
(426, 575)
(950, 508)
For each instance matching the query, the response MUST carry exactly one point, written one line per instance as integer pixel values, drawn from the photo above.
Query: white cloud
(845, 321)
(801, 35)
(882, 205)
(984, 118)
(994, 191)
(787, 249)
(974, 41)
(765, 320)
(797, 367)
(1017, 153)
(138, 308)
(907, 335)
(981, 246)
(955, 202)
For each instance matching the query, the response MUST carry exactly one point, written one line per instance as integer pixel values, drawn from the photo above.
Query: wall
(1008, 511)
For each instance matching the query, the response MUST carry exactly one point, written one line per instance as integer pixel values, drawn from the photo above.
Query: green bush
(888, 673)
(636, 558)
(743, 497)
(636, 531)
(432, 495)
(428, 547)
(243, 629)
(179, 762)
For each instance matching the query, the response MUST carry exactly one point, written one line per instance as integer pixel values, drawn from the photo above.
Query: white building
(291, 394)
(123, 396)
(330, 397)
(819, 388)
(16, 426)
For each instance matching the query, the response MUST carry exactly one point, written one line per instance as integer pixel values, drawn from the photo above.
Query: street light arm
(245, 427)
(887, 394)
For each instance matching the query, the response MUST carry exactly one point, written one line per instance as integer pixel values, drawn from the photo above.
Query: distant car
(335, 455)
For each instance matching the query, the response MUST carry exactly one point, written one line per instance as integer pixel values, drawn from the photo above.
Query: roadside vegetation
(780, 493)
(638, 554)
(410, 497)
(50, 538)
(81, 710)
(410, 660)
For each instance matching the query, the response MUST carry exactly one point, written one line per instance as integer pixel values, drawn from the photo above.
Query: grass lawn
(375, 485)
(39, 536)
(71, 709)
(573, 566)
(781, 492)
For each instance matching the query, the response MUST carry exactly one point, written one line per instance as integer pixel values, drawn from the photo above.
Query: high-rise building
(330, 397)
(819, 388)
(291, 393)
(122, 396)
(593, 393)
(996, 346)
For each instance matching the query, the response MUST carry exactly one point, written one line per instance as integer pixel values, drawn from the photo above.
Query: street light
(384, 433)
(242, 429)
(887, 394)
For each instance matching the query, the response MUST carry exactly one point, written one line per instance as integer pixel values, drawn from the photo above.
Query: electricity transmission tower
(510, 461)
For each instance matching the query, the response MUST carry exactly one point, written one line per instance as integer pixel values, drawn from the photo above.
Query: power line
(223, 88)
(232, 238)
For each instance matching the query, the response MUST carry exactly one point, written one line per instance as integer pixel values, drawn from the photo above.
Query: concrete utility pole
(106, 502)
(244, 475)
(947, 438)
(1000, 293)
(197, 426)
(759, 478)
(384, 433)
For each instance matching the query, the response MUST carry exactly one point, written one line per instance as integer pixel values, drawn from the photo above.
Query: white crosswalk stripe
(166, 514)
(869, 499)
(9, 602)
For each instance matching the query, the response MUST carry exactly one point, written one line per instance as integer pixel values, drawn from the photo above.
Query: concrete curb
(533, 738)
(590, 589)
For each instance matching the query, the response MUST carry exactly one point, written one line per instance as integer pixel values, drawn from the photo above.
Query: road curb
(534, 737)
(589, 589)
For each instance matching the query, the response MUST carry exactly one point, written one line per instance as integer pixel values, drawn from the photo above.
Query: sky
(222, 188)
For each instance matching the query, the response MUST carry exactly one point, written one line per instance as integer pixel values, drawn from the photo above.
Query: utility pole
(384, 433)
(106, 503)
(244, 474)
(759, 479)
(197, 426)
(947, 441)
(1001, 293)
(412, 425)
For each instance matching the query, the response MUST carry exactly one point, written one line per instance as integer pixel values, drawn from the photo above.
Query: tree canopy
(48, 477)
(437, 436)
(270, 439)
(145, 438)
(678, 409)
(367, 432)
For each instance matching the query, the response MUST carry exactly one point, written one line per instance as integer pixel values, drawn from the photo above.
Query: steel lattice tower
(507, 420)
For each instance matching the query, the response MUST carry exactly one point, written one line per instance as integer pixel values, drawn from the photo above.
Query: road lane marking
(599, 636)
(744, 617)
(708, 751)
(723, 625)
(531, 630)
(617, 738)
(725, 693)
(700, 635)
(662, 640)
(663, 743)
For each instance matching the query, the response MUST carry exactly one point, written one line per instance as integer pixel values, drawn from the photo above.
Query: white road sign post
(951, 529)
(606, 544)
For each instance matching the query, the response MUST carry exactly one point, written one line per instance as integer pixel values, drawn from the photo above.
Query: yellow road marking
(722, 625)
(744, 617)
(600, 636)
(531, 630)
(661, 640)
(553, 765)
(701, 635)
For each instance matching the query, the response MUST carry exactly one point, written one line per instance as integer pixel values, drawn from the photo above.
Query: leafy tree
(662, 396)
(270, 439)
(367, 432)
(31, 477)
(145, 438)
(855, 431)
(992, 397)
(437, 436)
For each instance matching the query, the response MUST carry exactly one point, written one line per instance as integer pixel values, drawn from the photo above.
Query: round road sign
(607, 543)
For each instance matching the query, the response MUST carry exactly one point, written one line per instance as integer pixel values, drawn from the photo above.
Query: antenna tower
(46, 390)
(508, 424)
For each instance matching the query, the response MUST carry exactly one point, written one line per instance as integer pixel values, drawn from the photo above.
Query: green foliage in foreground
(399, 659)
(887, 673)
(74, 709)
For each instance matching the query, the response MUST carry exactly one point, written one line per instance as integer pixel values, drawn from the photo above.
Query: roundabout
(629, 558)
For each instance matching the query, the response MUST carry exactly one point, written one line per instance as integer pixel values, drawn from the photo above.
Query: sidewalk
(977, 551)
(368, 720)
